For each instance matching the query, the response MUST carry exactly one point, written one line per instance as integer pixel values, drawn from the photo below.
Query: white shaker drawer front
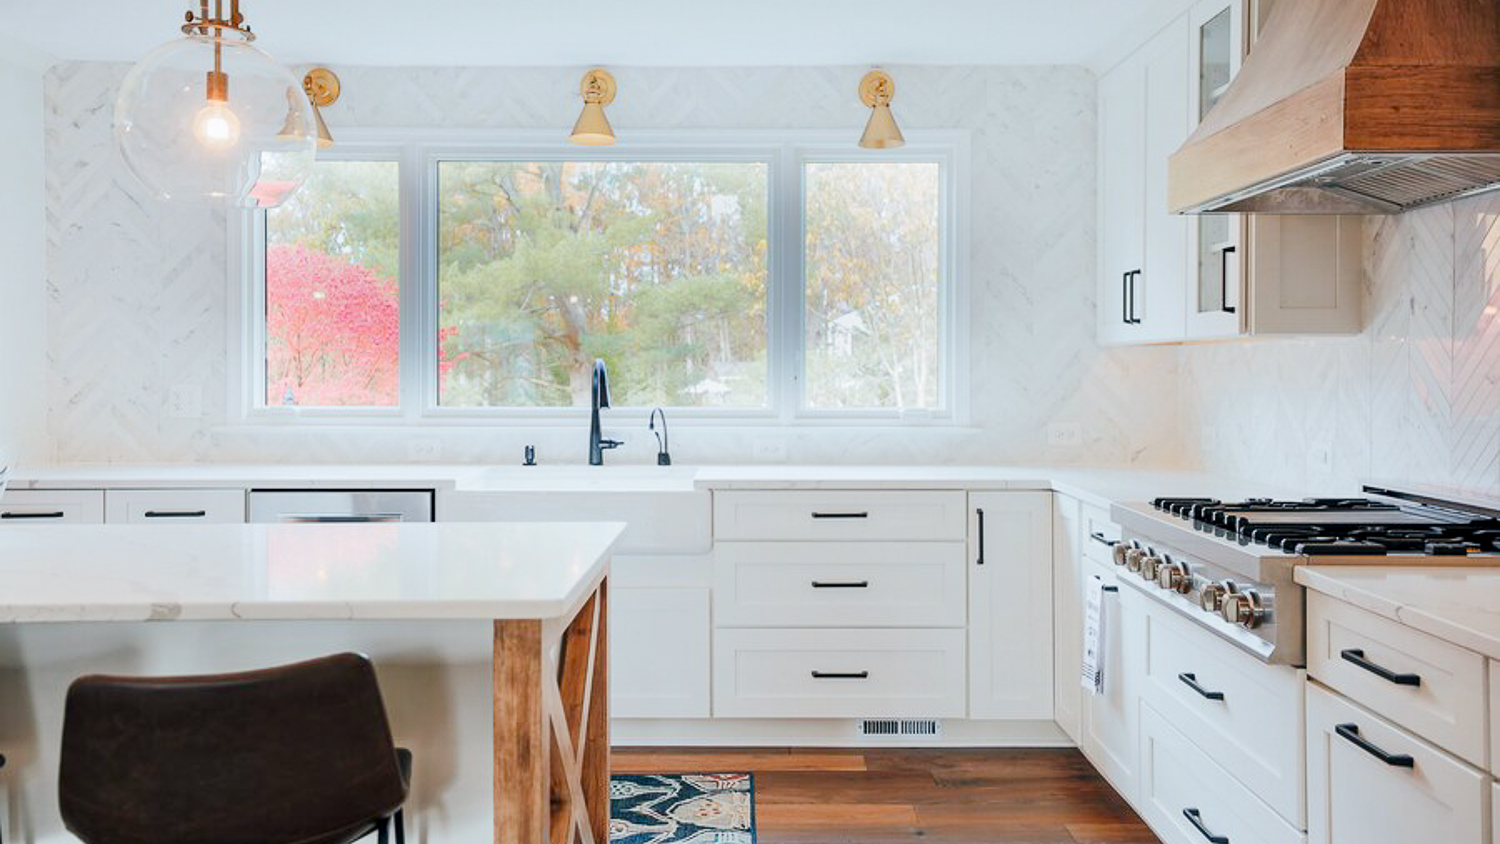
(52, 507)
(174, 506)
(1435, 689)
(807, 673)
(1245, 715)
(840, 515)
(847, 584)
(1371, 782)
(1099, 534)
(1187, 799)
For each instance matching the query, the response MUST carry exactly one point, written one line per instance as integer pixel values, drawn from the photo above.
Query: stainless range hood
(1352, 107)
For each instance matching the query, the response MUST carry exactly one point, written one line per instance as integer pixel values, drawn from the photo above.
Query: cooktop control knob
(1244, 609)
(1175, 577)
(1133, 558)
(1211, 596)
(1118, 552)
(1150, 565)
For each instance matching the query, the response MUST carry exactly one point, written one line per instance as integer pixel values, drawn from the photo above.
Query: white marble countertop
(310, 572)
(1457, 604)
(1098, 485)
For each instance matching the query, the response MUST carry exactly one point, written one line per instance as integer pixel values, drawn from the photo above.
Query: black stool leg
(384, 828)
(401, 826)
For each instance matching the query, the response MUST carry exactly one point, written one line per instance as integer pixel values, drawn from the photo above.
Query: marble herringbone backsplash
(1414, 398)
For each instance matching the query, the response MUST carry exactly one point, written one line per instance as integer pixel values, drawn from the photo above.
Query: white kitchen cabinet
(1371, 782)
(174, 506)
(658, 653)
(1010, 605)
(1067, 612)
(52, 506)
(1109, 720)
(1143, 117)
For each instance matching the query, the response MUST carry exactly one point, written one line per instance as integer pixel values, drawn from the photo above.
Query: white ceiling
(617, 32)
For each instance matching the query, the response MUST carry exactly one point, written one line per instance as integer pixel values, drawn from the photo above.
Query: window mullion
(415, 285)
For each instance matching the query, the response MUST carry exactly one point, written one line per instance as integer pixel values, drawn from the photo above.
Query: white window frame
(786, 153)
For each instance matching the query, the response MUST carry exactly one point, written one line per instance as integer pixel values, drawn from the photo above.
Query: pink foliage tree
(333, 331)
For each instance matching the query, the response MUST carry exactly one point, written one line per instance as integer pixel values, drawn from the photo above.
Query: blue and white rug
(682, 809)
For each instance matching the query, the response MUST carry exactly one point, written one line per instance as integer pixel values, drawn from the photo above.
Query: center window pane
(659, 268)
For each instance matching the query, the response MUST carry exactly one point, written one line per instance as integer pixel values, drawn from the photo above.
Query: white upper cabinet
(1169, 278)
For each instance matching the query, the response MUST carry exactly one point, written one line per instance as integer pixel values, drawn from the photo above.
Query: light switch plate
(185, 400)
(424, 450)
(769, 449)
(1064, 434)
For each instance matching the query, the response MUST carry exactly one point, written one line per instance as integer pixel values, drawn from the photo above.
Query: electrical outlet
(424, 450)
(769, 449)
(1064, 434)
(185, 400)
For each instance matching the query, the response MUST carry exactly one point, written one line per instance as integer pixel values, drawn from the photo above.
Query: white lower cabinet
(1188, 799)
(1371, 782)
(823, 673)
(658, 653)
(1110, 718)
(1010, 605)
(174, 506)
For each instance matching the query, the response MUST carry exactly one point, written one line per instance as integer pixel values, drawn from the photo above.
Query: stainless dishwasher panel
(267, 506)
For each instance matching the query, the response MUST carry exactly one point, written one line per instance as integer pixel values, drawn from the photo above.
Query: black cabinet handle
(1357, 656)
(841, 675)
(980, 512)
(1130, 277)
(1102, 540)
(1224, 280)
(1395, 760)
(175, 514)
(54, 514)
(846, 584)
(817, 515)
(1109, 588)
(1196, 820)
(1125, 298)
(1191, 681)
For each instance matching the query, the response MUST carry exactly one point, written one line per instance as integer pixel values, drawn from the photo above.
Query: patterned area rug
(682, 809)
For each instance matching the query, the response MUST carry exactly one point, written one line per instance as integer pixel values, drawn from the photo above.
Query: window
(779, 281)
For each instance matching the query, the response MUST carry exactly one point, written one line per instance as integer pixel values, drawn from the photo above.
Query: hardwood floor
(1011, 796)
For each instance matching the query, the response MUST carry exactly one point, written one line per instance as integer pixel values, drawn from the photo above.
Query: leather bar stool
(300, 754)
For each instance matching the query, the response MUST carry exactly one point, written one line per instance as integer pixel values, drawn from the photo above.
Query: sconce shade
(325, 140)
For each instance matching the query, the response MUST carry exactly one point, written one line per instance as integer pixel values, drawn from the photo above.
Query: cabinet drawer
(809, 673)
(174, 506)
(1186, 798)
(1435, 689)
(52, 507)
(1245, 715)
(840, 515)
(846, 584)
(1416, 792)
(1099, 534)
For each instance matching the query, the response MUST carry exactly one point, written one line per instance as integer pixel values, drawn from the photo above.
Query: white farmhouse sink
(662, 512)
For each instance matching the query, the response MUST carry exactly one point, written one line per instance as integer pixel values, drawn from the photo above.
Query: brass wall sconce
(323, 88)
(592, 128)
(876, 90)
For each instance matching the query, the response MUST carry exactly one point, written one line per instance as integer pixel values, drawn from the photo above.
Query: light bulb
(216, 126)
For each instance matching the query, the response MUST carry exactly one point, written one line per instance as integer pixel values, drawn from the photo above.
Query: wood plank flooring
(1007, 796)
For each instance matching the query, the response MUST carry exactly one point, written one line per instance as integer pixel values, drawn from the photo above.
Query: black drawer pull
(1109, 588)
(1103, 540)
(55, 514)
(979, 511)
(841, 584)
(1191, 681)
(817, 515)
(1224, 306)
(1357, 656)
(841, 675)
(1395, 760)
(175, 514)
(1196, 820)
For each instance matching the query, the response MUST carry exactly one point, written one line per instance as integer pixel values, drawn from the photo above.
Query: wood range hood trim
(1352, 106)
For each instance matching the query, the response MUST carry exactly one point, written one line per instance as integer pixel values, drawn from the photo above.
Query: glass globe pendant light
(210, 118)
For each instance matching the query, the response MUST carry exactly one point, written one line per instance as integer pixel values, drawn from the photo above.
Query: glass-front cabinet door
(1216, 300)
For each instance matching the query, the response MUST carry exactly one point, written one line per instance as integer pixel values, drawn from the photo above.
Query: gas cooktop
(1343, 526)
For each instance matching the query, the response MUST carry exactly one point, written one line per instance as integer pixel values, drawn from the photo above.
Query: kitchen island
(489, 641)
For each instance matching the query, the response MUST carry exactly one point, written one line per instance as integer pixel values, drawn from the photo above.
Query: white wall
(1415, 398)
(138, 295)
(23, 342)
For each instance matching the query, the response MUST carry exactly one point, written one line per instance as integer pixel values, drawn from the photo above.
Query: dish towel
(1094, 644)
